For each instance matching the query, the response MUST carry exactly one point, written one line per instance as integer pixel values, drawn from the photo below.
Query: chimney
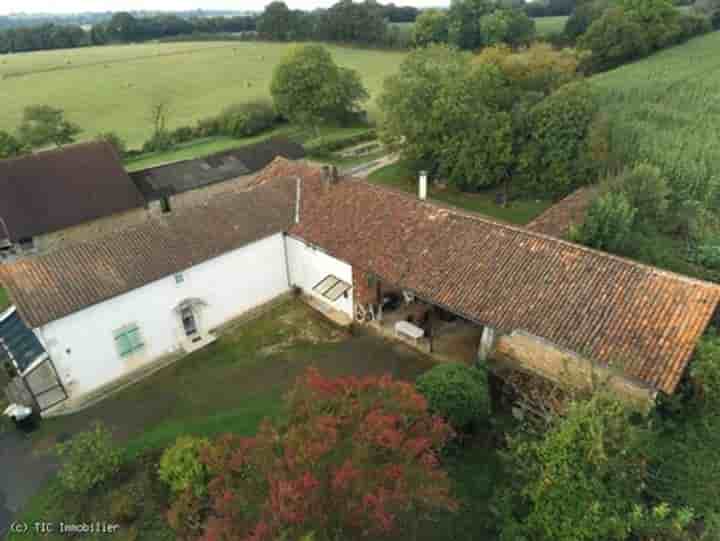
(329, 175)
(422, 185)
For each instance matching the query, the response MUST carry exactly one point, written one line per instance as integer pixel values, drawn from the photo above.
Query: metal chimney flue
(423, 185)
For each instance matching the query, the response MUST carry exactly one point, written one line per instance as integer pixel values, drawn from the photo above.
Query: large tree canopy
(309, 88)
(43, 125)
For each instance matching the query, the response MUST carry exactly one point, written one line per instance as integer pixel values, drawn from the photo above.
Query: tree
(464, 22)
(612, 40)
(348, 21)
(711, 9)
(509, 26)
(309, 88)
(43, 124)
(555, 155)
(608, 223)
(585, 479)
(356, 457)
(276, 22)
(431, 26)
(10, 146)
(123, 27)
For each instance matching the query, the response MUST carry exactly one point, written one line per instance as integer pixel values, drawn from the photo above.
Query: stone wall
(523, 351)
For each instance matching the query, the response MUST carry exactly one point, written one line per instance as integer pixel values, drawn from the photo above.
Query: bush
(646, 190)
(608, 224)
(185, 515)
(180, 466)
(457, 392)
(613, 39)
(125, 503)
(115, 140)
(246, 119)
(159, 142)
(183, 134)
(88, 459)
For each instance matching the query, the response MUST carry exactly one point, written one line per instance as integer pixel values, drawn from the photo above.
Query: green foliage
(583, 479)
(181, 468)
(583, 16)
(464, 18)
(555, 158)
(88, 459)
(608, 223)
(612, 39)
(646, 189)
(246, 119)
(509, 26)
(11, 146)
(126, 502)
(457, 392)
(504, 116)
(115, 140)
(707, 253)
(309, 88)
(329, 144)
(430, 27)
(42, 125)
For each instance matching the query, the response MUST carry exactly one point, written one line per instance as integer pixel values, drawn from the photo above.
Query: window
(179, 278)
(165, 205)
(189, 322)
(128, 340)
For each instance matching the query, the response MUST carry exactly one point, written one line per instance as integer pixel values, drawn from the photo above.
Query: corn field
(665, 110)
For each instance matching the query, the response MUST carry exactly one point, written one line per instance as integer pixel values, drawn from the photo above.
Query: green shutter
(128, 340)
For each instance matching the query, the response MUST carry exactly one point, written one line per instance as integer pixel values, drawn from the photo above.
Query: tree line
(345, 21)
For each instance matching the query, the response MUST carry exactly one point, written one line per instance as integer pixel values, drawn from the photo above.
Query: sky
(74, 6)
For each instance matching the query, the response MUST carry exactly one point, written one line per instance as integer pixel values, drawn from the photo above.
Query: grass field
(664, 109)
(518, 212)
(113, 87)
(550, 25)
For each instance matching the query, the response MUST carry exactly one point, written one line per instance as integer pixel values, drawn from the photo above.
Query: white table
(409, 330)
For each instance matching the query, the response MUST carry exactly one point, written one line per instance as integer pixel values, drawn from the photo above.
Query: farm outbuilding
(443, 279)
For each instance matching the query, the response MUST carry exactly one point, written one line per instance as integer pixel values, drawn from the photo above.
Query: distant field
(549, 25)
(112, 88)
(665, 109)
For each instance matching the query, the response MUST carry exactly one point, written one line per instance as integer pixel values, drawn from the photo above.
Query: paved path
(364, 170)
(22, 473)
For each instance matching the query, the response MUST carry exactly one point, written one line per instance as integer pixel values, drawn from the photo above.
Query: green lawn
(4, 300)
(519, 211)
(545, 26)
(113, 87)
(229, 387)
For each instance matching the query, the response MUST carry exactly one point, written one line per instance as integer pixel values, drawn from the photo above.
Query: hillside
(113, 87)
(664, 109)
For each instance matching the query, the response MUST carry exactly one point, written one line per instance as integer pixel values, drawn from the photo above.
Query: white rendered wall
(308, 266)
(82, 345)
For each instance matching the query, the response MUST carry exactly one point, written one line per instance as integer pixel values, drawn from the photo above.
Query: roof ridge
(529, 232)
(57, 150)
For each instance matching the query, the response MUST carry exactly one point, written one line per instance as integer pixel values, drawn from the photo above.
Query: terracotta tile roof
(610, 309)
(53, 190)
(556, 220)
(49, 287)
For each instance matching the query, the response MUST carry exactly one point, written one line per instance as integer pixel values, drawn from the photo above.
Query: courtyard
(234, 383)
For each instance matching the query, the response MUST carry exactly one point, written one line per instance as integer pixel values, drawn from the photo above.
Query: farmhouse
(104, 308)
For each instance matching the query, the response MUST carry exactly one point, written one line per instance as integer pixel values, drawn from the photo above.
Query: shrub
(88, 459)
(457, 392)
(246, 119)
(185, 515)
(183, 134)
(608, 224)
(159, 142)
(613, 39)
(180, 466)
(323, 145)
(707, 254)
(115, 140)
(646, 190)
(125, 503)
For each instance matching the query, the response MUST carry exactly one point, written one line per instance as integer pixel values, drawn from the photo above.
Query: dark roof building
(179, 177)
(50, 191)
